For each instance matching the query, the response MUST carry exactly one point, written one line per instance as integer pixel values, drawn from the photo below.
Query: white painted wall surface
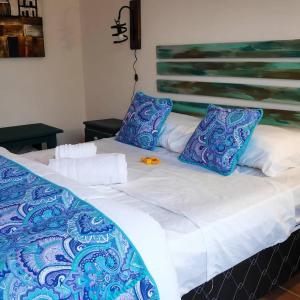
(107, 67)
(48, 90)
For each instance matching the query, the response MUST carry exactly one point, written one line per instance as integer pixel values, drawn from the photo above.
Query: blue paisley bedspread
(54, 245)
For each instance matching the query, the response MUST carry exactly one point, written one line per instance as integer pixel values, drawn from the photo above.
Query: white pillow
(273, 150)
(176, 131)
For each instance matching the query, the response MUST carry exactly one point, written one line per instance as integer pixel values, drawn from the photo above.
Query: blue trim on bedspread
(54, 245)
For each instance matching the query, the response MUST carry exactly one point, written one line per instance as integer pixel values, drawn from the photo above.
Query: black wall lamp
(135, 26)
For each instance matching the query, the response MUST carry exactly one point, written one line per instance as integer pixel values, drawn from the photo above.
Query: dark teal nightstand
(32, 134)
(99, 129)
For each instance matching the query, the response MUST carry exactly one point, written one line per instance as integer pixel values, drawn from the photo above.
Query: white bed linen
(225, 230)
(144, 232)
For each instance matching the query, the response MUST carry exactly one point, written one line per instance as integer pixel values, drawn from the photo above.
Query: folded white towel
(75, 151)
(99, 169)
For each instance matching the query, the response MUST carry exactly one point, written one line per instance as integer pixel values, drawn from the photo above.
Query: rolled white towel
(100, 169)
(75, 151)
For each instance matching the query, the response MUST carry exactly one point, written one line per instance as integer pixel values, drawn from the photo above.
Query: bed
(214, 257)
(207, 236)
(181, 71)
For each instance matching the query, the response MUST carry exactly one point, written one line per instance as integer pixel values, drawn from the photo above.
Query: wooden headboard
(187, 60)
(271, 116)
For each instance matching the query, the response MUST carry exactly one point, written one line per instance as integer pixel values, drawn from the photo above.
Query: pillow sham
(143, 122)
(221, 138)
(273, 150)
(176, 131)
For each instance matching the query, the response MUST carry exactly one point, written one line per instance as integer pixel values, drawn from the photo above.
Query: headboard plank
(231, 90)
(271, 116)
(265, 49)
(274, 70)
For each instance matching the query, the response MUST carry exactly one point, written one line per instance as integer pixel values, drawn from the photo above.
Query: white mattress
(235, 217)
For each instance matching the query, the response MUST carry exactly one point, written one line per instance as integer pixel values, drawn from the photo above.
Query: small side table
(99, 129)
(32, 134)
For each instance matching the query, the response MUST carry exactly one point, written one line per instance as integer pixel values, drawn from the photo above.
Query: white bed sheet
(205, 244)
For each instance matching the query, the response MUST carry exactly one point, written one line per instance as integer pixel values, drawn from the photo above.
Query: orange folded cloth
(150, 160)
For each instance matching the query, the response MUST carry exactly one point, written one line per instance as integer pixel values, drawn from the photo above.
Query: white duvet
(211, 222)
(259, 212)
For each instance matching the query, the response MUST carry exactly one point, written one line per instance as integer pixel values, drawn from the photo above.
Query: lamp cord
(136, 77)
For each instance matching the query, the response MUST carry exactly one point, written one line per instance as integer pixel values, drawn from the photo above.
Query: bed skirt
(255, 276)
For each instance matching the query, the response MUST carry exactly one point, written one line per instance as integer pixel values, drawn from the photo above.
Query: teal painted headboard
(179, 60)
(271, 116)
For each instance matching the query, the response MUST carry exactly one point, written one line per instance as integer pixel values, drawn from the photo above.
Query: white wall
(107, 67)
(51, 89)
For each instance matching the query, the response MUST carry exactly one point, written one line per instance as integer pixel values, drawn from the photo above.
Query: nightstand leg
(51, 141)
(38, 146)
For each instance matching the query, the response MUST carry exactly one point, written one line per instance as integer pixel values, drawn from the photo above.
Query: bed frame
(255, 276)
(269, 268)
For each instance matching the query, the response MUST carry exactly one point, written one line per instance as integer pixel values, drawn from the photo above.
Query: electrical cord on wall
(136, 76)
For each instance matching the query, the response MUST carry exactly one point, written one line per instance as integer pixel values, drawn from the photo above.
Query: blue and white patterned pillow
(221, 138)
(143, 122)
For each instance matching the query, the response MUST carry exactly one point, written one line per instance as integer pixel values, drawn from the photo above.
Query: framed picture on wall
(21, 28)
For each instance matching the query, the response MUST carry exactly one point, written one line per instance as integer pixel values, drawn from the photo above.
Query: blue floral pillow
(143, 122)
(221, 138)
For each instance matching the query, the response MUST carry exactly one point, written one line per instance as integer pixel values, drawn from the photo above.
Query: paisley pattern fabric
(143, 122)
(55, 246)
(221, 138)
